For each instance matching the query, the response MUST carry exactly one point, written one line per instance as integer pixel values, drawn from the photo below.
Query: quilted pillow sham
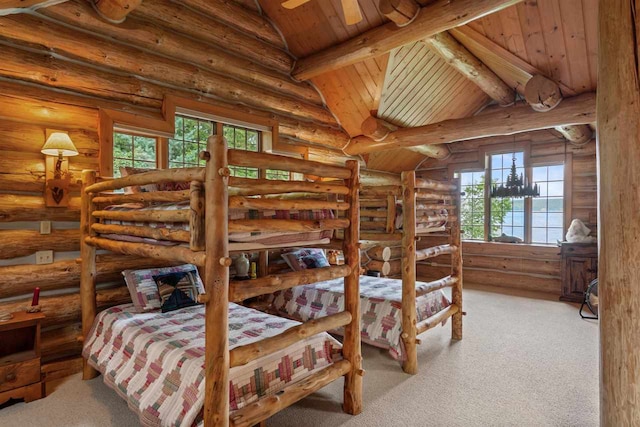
(144, 289)
(302, 259)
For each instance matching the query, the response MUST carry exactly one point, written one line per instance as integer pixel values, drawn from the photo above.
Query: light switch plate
(45, 227)
(44, 257)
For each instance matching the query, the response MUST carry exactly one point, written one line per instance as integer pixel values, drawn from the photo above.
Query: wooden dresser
(20, 376)
(579, 268)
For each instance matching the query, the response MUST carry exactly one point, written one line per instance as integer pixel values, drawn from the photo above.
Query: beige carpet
(524, 361)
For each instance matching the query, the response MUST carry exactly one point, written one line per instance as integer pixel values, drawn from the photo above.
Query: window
(507, 215)
(547, 218)
(133, 150)
(472, 207)
(189, 140)
(242, 139)
(536, 220)
(278, 175)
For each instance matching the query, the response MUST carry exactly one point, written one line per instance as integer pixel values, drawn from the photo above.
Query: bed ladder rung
(434, 251)
(437, 318)
(244, 354)
(241, 290)
(252, 414)
(435, 285)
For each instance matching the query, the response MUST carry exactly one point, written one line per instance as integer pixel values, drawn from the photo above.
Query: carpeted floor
(524, 361)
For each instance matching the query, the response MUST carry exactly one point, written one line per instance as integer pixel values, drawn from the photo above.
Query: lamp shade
(59, 143)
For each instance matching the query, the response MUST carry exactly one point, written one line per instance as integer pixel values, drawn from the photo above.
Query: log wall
(531, 267)
(64, 64)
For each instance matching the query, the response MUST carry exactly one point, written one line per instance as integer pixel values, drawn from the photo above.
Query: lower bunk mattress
(250, 239)
(155, 361)
(380, 304)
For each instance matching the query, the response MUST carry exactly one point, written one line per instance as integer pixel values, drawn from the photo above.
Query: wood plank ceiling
(554, 37)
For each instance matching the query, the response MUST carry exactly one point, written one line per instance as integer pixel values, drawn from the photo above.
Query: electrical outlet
(44, 257)
(45, 227)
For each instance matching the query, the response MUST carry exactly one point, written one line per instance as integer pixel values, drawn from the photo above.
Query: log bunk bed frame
(211, 194)
(419, 197)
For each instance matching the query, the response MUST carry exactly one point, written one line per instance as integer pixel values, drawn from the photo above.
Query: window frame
(484, 165)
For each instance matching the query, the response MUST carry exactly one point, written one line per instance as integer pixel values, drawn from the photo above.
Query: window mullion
(487, 198)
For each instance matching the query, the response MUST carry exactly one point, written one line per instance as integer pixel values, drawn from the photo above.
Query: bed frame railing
(419, 198)
(213, 191)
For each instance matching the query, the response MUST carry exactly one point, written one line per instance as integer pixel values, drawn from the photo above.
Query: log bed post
(88, 270)
(409, 319)
(455, 241)
(216, 279)
(352, 345)
(618, 143)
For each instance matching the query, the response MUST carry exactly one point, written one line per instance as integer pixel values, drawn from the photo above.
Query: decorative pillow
(129, 170)
(177, 290)
(144, 290)
(174, 186)
(302, 259)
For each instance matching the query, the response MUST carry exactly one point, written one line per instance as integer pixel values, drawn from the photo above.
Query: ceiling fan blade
(292, 4)
(352, 13)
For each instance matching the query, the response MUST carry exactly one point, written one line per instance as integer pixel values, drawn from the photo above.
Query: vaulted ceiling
(412, 86)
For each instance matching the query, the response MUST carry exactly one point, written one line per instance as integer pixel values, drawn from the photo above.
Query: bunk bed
(397, 211)
(201, 235)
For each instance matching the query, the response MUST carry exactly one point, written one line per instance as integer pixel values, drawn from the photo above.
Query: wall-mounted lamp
(58, 177)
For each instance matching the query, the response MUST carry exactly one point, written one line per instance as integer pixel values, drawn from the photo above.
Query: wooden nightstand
(579, 268)
(20, 376)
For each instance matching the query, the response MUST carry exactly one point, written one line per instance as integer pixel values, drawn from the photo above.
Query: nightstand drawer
(19, 374)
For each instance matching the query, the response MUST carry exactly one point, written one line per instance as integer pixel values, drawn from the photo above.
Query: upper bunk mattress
(380, 303)
(155, 361)
(258, 237)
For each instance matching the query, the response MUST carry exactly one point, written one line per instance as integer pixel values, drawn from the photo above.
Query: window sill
(535, 245)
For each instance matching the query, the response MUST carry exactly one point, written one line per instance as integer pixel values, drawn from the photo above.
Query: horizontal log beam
(239, 202)
(32, 208)
(430, 195)
(254, 187)
(145, 35)
(580, 109)
(161, 253)
(371, 178)
(274, 161)
(254, 413)
(430, 184)
(19, 243)
(152, 177)
(241, 290)
(422, 254)
(244, 354)
(426, 288)
(380, 191)
(174, 235)
(285, 225)
(381, 237)
(181, 215)
(432, 19)
(153, 196)
(436, 319)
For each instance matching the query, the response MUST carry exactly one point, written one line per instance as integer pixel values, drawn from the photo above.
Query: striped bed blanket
(265, 238)
(380, 303)
(155, 361)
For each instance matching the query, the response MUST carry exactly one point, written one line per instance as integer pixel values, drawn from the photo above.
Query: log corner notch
(543, 95)
(378, 129)
(114, 11)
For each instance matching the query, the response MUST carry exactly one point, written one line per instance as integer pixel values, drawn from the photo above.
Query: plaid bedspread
(155, 360)
(381, 305)
(266, 238)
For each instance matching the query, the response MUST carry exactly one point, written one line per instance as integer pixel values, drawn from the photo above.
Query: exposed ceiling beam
(432, 19)
(11, 7)
(378, 130)
(456, 55)
(115, 11)
(504, 121)
(542, 93)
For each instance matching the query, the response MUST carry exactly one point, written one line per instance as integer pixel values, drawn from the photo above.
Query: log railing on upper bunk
(205, 243)
(426, 205)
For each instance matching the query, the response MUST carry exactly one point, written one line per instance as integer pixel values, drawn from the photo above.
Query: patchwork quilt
(265, 238)
(155, 361)
(381, 305)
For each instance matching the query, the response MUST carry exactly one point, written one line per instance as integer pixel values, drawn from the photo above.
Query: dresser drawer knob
(10, 377)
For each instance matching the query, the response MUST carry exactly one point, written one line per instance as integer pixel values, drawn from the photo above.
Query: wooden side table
(20, 376)
(579, 268)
